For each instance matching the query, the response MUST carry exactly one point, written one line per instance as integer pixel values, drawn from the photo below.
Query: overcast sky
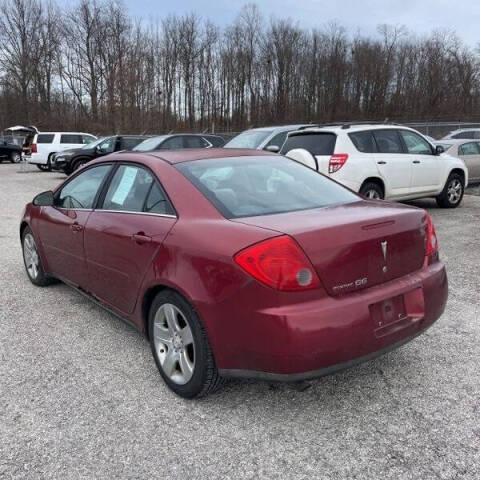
(420, 16)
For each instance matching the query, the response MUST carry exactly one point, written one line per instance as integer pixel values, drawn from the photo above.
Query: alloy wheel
(174, 343)
(454, 191)
(30, 254)
(373, 194)
(16, 157)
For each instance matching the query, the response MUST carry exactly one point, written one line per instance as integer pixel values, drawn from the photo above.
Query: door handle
(140, 238)
(416, 161)
(75, 227)
(381, 162)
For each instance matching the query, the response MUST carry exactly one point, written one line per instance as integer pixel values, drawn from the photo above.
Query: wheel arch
(376, 180)
(148, 297)
(23, 226)
(460, 172)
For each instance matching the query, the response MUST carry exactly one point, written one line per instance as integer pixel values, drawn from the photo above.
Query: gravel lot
(80, 396)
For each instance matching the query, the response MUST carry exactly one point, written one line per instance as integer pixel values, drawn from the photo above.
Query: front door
(425, 165)
(62, 226)
(470, 154)
(123, 236)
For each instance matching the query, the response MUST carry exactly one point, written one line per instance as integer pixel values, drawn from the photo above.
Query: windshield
(251, 186)
(94, 144)
(248, 139)
(149, 144)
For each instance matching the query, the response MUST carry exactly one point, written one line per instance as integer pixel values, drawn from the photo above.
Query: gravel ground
(80, 396)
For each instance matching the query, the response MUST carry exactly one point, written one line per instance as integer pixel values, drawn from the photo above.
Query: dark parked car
(10, 151)
(238, 263)
(179, 140)
(70, 160)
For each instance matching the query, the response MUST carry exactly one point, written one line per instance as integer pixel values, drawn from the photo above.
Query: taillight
(431, 247)
(337, 161)
(279, 263)
(34, 148)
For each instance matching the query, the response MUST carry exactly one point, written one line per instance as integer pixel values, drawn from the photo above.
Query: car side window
(464, 135)
(471, 148)
(45, 138)
(415, 143)
(194, 142)
(364, 141)
(81, 191)
(171, 143)
(278, 140)
(71, 138)
(388, 141)
(129, 143)
(108, 146)
(128, 189)
(87, 139)
(157, 202)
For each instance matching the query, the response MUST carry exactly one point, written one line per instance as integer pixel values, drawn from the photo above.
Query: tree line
(93, 67)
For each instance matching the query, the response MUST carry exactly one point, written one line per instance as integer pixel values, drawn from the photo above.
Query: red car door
(123, 236)
(61, 227)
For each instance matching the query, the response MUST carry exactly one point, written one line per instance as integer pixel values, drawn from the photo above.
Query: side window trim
(404, 143)
(400, 141)
(102, 192)
(56, 193)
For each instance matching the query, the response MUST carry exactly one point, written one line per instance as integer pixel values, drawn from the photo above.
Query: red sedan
(238, 263)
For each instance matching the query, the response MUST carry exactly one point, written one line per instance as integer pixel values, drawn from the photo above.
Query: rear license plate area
(397, 313)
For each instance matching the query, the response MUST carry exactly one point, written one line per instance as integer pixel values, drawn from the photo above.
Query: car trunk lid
(357, 245)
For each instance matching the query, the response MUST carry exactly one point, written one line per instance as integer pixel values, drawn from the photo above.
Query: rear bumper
(313, 339)
(37, 158)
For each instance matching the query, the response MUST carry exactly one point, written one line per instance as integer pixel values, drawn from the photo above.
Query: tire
(180, 347)
(32, 260)
(15, 157)
(77, 164)
(372, 191)
(452, 194)
(45, 167)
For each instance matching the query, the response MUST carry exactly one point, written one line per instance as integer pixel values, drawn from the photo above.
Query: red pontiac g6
(238, 263)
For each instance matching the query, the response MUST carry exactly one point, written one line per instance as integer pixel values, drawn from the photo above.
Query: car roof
(457, 141)
(277, 127)
(183, 155)
(351, 128)
(74, 133)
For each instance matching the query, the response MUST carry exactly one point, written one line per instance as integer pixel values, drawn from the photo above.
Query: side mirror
(273, 148)
(44, 199)
(439, 150)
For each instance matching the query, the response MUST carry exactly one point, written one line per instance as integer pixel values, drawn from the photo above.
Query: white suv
(381, 161)
(46, 144)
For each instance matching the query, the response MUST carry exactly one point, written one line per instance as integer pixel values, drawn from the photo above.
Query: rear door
(124, 234)
(394, 166)
(470, 154)
(70, 140)
(62, 226)
(425, 171)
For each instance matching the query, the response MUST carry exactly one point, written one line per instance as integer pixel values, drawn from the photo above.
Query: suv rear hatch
(320, 144)
(357, 245)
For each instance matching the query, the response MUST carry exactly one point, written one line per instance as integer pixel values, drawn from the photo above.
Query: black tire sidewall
(443, 200)
(371, 186)
(12, 155)
(196, 385)
(41, 279)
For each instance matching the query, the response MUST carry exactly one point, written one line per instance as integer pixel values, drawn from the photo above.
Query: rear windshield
(316, 143)
(249, 139)
(45, 138)
(250, 186)
(149, 144)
